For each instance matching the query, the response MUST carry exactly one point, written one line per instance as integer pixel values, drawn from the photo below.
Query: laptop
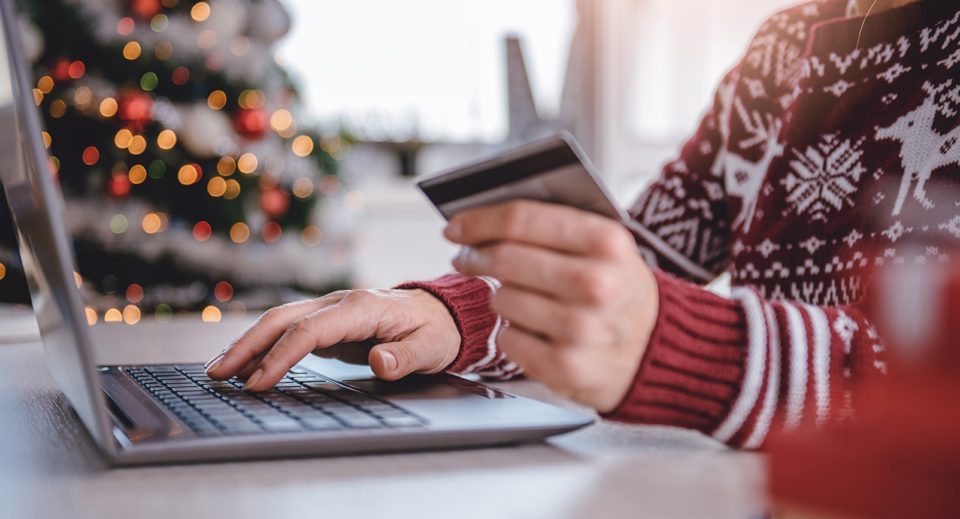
(174, 413)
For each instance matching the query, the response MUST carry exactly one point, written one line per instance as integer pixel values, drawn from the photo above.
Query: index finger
(262, 335)
(559, 227)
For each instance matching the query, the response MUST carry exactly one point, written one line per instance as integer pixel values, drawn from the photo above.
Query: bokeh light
(91, 316)
(217, 99)
(211, 314)
(207, 39)
(160, 23)
(149, 81)
(76, 70)
(126, 26)
(83, 97)
(239, 232)
(247, 163)
(236, 310)
(131, 51)
(163, 313)
(302, 145)
(151, 225)
(123, 139)
(233, 190)
(271, 232)
(108, 107)
(45, 85)
(170, 3)
(200, 11)
(47, 140)
(188, 175)
(157, 169)
(181, 75)
(289, 131)
(37, 96)
(77, 279)
(138, 145)
(240, 46)
(164, 51)
(118, 223)
(167, 139)
(226, 166)
(134, 293)
(330, 185)
(223, 291)
(91, 155)
(131, 314)
(54, 165)
(311, 236)
(119, 184)
(303, 187)
(330, 142)
(281, 120)
(353, 201)
(202, 231)
(3, 271)
(217, 186)
(58, 108)
(137, 174)
(113, 316)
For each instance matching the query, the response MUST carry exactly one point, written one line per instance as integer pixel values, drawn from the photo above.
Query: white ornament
(269, 20)
(32, 39)
(202, 127)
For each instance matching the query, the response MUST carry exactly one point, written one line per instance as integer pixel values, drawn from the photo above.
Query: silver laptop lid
(38, 213)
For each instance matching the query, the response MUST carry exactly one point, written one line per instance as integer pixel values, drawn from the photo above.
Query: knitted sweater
(813, 165)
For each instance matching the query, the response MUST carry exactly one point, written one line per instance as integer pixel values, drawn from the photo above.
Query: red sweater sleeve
(469, 302)
(736, 368)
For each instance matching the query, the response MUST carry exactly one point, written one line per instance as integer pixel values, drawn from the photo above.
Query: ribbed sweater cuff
(468, 300)
(693, 367)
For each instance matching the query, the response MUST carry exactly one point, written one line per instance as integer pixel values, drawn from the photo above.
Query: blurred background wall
(428, 84)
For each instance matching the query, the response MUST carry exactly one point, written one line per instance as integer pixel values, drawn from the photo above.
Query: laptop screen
(38, 213)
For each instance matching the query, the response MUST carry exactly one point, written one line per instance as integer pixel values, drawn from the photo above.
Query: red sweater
(815, 163)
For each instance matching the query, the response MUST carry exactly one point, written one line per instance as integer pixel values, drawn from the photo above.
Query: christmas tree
(174, 134)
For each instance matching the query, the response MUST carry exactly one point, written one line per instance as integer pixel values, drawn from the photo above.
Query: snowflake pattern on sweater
(813, 165)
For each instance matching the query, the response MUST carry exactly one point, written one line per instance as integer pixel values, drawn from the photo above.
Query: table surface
(50, 467)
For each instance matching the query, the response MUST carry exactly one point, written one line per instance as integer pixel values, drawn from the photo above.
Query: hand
(580, 301)
(397, 332)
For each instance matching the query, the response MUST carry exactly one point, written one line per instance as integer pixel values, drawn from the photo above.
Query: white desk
(50, 468)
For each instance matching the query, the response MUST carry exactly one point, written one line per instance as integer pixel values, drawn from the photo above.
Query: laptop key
(358, 420)
(321, 422)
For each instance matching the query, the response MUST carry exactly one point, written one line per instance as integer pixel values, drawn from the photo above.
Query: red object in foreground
(119, 185)
(900, 457)
(145, 9)
(274, 203)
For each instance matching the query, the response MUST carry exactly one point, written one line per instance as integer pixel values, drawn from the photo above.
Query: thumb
(394, 360)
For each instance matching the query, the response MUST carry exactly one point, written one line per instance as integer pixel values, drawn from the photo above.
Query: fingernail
(453, 230)
(389, 361)
(214, 362)
(257, 375)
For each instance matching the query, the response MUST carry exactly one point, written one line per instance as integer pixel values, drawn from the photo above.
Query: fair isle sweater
(816, 163)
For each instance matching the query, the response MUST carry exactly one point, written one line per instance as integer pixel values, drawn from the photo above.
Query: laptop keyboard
(302, 401)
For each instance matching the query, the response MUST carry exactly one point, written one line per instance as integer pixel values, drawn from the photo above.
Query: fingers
(568, 278)
(418, 353)
(355, 318)
(263, 334)
(553, 226)
(545, 317)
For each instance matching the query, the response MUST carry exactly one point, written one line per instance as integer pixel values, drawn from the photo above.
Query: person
(811, 167)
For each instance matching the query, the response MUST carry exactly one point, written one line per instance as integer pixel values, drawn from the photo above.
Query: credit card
(552, 170)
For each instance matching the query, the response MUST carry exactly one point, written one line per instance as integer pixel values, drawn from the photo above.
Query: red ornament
(252, 124)
(145, 9)
(274, 203)
(134, 107)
